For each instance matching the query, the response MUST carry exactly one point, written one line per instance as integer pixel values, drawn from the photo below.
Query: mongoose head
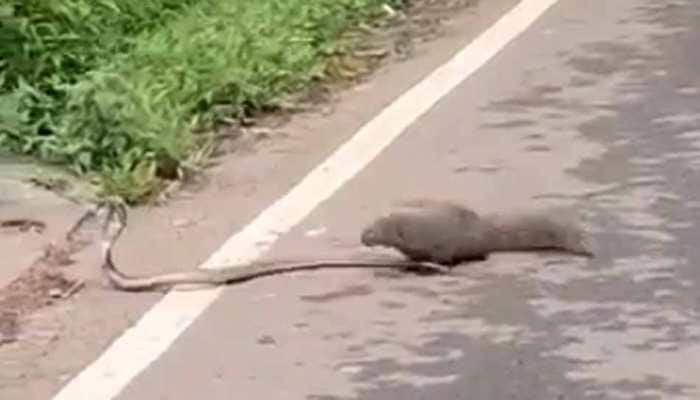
(381, 232)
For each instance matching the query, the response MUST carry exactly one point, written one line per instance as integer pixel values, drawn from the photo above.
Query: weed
(116, 89)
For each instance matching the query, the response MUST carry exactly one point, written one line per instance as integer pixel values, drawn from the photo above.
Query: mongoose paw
(438, 268)
(426, 268)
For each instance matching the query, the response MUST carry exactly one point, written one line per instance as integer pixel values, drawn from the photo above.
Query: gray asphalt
(595, 107)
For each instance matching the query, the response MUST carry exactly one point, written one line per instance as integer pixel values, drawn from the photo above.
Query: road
(596, 106)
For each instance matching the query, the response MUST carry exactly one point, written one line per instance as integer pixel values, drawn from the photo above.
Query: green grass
(116, 90)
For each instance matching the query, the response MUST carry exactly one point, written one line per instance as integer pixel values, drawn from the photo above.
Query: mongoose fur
(447, 233)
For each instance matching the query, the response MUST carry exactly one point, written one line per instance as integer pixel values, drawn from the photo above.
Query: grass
(120, 91)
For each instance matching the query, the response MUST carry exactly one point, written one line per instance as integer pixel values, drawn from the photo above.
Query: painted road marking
(158, 328)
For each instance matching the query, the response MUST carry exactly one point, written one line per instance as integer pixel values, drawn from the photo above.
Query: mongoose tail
(535, 231)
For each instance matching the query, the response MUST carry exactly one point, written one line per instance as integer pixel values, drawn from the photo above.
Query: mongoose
(432, 235)
(448, 233)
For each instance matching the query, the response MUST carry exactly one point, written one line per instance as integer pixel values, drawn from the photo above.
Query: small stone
(267, 340)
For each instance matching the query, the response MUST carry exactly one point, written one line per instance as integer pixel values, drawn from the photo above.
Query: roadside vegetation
(125, 92)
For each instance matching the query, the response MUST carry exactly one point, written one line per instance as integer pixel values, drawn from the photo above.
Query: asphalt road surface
(596, 107)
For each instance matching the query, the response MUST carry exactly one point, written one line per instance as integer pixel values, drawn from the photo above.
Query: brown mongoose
(448, 233)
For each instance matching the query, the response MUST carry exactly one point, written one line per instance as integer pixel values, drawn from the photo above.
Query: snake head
(112, 217)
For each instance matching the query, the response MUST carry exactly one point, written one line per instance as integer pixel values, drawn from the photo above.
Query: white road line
(151, 336)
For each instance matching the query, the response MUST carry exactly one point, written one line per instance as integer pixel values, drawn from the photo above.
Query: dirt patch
(43, 284)
(38, 286)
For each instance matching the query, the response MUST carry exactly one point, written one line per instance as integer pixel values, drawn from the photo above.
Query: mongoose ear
(397, 229)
